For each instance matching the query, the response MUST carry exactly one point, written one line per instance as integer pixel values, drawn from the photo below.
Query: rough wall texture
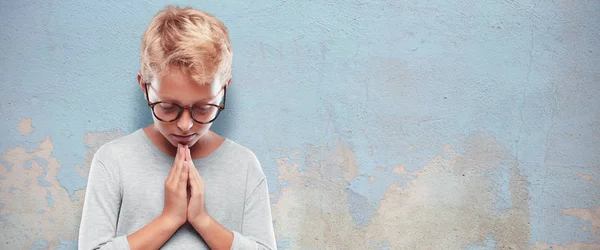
(380, 124)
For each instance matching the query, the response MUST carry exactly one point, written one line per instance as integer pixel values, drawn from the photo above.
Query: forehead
(175, 84)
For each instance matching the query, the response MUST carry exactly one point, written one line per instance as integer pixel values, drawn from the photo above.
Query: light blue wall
(380, 124)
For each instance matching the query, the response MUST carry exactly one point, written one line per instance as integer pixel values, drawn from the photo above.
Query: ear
(141, 84)
(139, 80)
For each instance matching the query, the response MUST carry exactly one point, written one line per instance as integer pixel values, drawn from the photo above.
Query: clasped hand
(184, 191)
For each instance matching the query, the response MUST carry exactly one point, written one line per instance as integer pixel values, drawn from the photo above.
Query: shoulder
(245, 157)
(120, 147)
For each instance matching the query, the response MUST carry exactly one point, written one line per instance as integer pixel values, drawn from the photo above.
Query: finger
(196, 174)
(176, 162)
(180, 155)
(188, 157)
(172, 170)
(197, 181)
(188, 154)
(184, 175)
(189, 169)
(178, 165)
(192, 169)
(193, 186)
(193, 181)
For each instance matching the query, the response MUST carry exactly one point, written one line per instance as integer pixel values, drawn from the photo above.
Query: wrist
(200, 223)
(168, 222)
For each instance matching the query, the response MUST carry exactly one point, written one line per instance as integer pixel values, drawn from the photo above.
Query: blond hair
(188, 38)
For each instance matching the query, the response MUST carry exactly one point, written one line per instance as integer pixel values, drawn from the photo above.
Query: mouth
(183, 139)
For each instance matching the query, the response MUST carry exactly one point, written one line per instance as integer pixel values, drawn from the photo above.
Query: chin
(189, 144)
(170, 137)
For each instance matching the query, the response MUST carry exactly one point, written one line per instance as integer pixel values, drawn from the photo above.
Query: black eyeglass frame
(180, 112)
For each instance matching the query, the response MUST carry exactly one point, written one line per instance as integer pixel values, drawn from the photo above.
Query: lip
(183, 139)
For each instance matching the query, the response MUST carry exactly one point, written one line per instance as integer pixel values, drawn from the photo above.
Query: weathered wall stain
(33, 212)
(25, 127)
(586, 177)
(572, 246)
(587, 215)
(36, 210)
(93, 141)
(449, 202)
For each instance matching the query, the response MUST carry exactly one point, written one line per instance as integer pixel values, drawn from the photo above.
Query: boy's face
(176, 86)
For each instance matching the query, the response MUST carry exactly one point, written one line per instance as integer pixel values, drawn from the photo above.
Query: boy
(175, 184)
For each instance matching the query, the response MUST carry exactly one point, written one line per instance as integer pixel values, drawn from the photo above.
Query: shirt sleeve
(257, 226)
(101, 210)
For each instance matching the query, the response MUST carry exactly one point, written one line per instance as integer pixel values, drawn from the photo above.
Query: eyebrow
(202, 101)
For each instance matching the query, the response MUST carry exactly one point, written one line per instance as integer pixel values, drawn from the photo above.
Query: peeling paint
(572, 246)
(25, 127)
(586, 177)
(587, 215)
(93, 141)
(54, 200)
(24, 217)
(449, 203)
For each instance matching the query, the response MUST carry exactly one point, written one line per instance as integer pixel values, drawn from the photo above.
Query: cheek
(162, 128)
(201, 129)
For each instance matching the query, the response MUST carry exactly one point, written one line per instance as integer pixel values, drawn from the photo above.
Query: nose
(185, 122)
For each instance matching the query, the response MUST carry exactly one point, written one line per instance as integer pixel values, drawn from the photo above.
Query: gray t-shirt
(125, 192)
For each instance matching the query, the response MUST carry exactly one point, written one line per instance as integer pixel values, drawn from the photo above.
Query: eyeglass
(169, 112)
